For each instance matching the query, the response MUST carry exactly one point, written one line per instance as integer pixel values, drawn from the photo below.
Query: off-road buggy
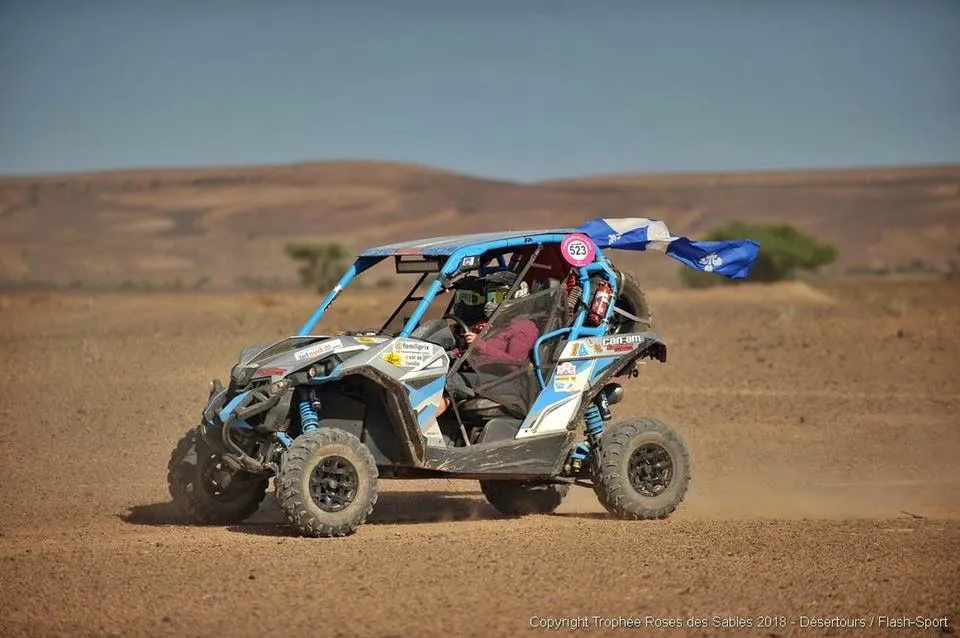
(328, 415)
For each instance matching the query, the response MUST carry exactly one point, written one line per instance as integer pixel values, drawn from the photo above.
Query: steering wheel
(463, 326)
(460, 322)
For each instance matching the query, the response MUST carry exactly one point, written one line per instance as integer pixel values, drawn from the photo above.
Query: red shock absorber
(601, 302)
(574, 292)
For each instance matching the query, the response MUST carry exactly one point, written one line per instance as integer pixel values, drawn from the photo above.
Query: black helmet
(469, 298)
(496, 287)
(477, 298)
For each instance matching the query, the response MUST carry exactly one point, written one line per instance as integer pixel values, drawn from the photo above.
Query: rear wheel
(192, 481)
(520, 499)
(328, 483)
(643, 469)
(632, 299)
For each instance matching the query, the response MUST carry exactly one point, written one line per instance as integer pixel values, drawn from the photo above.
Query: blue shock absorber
(594, 423)
(593, 418)
(308, 417)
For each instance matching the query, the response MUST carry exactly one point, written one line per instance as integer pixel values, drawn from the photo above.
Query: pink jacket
(513, 344)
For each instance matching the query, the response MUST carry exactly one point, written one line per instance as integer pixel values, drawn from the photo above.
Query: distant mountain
(230, 225)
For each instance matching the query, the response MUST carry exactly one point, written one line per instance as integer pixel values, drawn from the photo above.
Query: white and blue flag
(732, 259)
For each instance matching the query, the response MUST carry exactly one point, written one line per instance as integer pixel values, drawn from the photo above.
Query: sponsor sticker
(412, 347)
(565, 378)
(594, 347)
(317, 350)
(413, 353)
(270, 372)
(621, 344)
(620, 347)
(409, 354)
(393, 359)
(370, 340)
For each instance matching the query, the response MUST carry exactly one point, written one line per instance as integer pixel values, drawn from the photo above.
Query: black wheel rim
(650, 470)
(333, 484)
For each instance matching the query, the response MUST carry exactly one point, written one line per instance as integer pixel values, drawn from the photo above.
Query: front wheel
(328, 484)
(643, 469)
(191, 475)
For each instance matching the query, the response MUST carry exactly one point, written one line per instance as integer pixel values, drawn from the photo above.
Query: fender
(639, 345)
(399, 412)
(629, 349)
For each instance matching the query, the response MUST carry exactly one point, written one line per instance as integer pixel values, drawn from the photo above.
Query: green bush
(953, 268)
(323, 264)
(783, 252)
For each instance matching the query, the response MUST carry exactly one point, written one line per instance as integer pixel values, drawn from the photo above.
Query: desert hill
(227, 227)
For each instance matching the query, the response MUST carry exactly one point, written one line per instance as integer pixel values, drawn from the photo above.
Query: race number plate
(578, 249)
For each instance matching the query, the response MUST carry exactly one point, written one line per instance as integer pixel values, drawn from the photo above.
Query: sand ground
(824, 425)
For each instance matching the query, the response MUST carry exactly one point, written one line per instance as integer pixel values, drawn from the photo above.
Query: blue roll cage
(455, 258)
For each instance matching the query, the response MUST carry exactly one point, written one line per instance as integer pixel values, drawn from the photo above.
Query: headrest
(545, 284)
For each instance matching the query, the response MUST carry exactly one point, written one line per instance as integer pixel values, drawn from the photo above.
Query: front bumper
(221, 416)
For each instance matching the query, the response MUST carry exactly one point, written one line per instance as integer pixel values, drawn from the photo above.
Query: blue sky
(516, 89)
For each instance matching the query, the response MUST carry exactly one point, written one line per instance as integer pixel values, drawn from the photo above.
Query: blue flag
(732, 259)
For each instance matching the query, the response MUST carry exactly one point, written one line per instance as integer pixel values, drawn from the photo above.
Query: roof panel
(447, 245)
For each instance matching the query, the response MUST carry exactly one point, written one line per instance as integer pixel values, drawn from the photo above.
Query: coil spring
(593, 421)
(308, 417)
(573, 298)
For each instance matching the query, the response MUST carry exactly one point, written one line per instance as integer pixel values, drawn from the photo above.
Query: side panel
(414, 373)
(559, 401)
(538, 457)
(582, 366)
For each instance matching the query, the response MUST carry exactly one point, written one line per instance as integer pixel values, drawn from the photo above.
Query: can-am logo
(618, 341)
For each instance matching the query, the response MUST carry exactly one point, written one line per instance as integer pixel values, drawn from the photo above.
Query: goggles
(496, 296)
(469, 298)
(473, 298)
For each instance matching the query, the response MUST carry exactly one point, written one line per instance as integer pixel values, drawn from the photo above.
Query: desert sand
(823, 422)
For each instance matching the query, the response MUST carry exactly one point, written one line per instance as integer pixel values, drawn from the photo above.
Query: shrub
(953, 268)
(783, 252)
(322, 264)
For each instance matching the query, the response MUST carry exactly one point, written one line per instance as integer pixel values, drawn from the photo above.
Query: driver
(475, 302)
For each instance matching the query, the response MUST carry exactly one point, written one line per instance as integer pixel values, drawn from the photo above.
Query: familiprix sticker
(413, 353)
(578, 249)
(409, 354)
